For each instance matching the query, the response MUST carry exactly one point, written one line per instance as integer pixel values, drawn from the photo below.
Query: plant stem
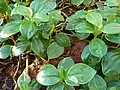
(27, 58)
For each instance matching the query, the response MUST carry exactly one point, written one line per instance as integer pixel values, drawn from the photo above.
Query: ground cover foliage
(44, 29)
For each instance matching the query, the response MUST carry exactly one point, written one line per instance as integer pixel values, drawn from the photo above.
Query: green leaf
(87, 2)
(82, 36)
(34, 85)
(66, 63)
(41, 17)
(3, 6)
(63, 40)
(75, 19)
(67, 87)
(77, 2)
(108, 11)
(111, 28)
(113, 2)
(43, 6)
(48, 76)
(56, 15)
(1, 21)
(28, 29)
(79, 72)
(111, 62)
(22, 10)
(98, 48)
(54, 50)
(59, 86)
(5, 51)
(113, 38)
(88, 58)
(24, 81)
(19, 48)
(95, 19)
(114, 85)
(10, 28)
(2, 39)
(97, 83)
(37, 46)
(84, 27)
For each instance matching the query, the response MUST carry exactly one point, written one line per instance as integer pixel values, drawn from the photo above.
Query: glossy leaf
(43, 6)
(113, 2)
(113, 38)
(59, 86)
(98, 48)
(111, 28)
(63, 40)
(18, 49)
(54, 50)
(24, 81)
(5, 51)
(2, 39)
(88, 58)
(82, 36)
(10, 28)
(48, 76)
(95, 19)
(3, 6)
(87, 2)
(28, 29)
(79, 72)
(84, 27)
(97, 83)
(67, 87)
(56, 15)
(34, 85)
(66, 63)
(111, 62)
(22, 10)
(77, 2)
(37, 46)
(41, 17)
(114, 85)
(75, 19)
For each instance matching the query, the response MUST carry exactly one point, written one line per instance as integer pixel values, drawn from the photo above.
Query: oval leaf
(59, 86)
(28, 29)
(115, 38)
(22, 10)
(3, 6)
(88, 58)
(5, 51)
(77, 2)
(97, 47)
(43, 6)
(95, 19)
(24, 81)
(66, 63)
(63, 40)
(111, 28)
(80, 72)
(111, 63)
(10, 29)
(54, 50)
(48, 76)
(37, 46)
(84, 28)
(97, 83)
